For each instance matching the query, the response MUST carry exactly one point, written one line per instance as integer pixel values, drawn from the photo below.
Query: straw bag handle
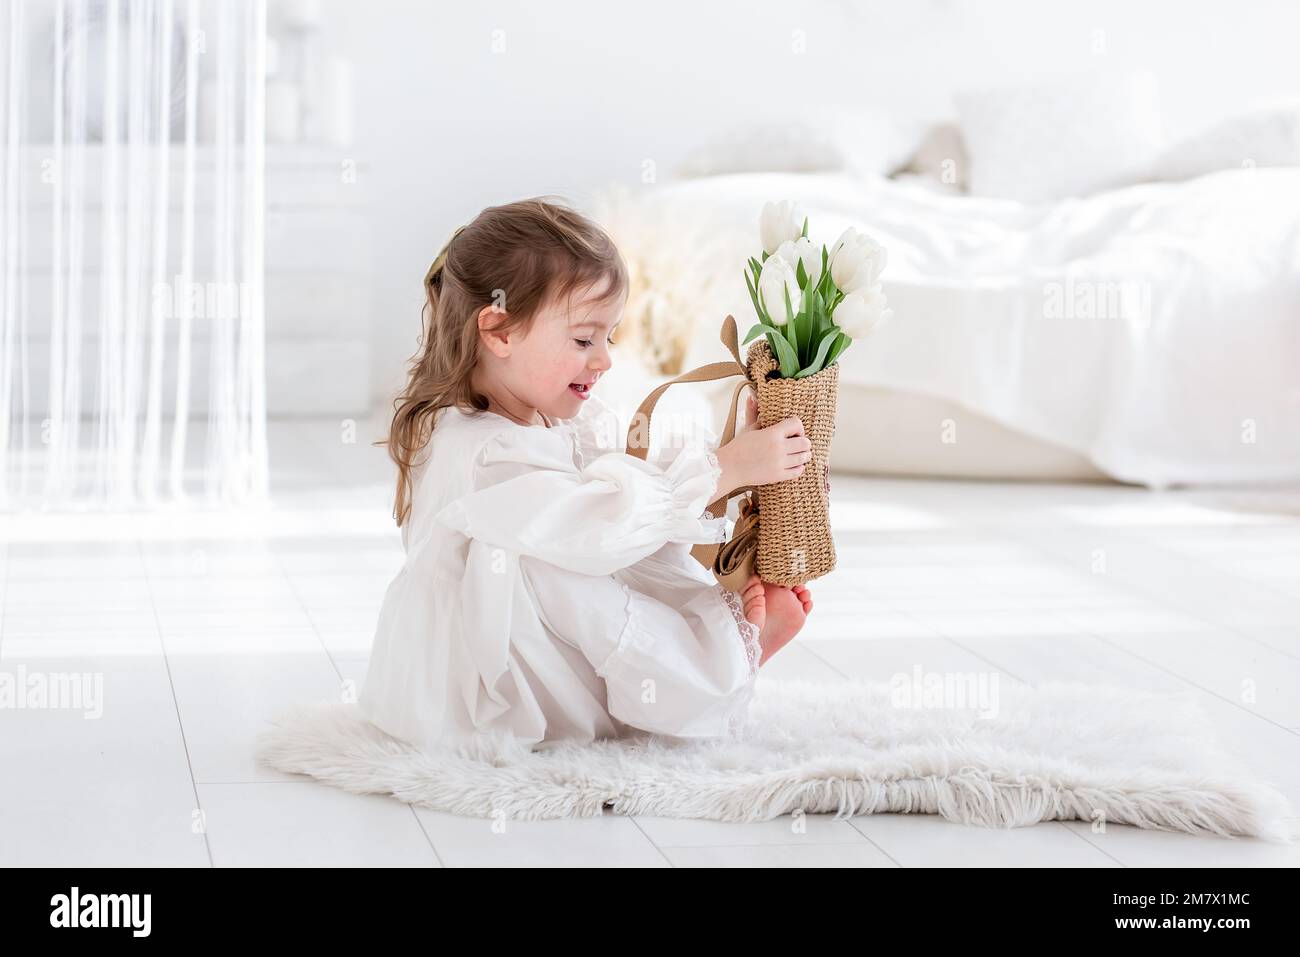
(705, 373)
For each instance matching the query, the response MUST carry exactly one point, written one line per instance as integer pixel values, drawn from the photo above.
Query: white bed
(1185, 369)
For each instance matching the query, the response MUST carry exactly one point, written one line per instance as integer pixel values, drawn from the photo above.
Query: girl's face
(554, 366)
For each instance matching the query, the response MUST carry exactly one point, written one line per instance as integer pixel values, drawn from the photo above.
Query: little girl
(548, 591)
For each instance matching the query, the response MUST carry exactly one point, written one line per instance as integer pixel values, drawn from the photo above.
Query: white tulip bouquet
(813, 304)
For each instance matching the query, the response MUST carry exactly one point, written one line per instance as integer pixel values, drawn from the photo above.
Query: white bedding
(1187, 369)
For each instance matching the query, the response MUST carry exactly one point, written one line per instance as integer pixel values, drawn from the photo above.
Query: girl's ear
(491, 322)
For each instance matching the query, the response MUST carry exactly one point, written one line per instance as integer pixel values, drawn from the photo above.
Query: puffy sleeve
(533, 497)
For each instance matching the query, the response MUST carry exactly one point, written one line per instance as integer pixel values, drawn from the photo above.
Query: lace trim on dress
(753, 654)
(711, 456)
(748, 630)
(719, 524)
(717, 527)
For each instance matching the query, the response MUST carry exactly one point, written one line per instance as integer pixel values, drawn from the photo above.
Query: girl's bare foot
(779, 611)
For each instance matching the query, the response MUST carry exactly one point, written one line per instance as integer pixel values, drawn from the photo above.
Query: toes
(804, 596)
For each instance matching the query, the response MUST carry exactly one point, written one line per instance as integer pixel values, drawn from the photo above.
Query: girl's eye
(587, 343)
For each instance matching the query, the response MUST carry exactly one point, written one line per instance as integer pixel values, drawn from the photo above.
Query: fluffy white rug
(1057, 752)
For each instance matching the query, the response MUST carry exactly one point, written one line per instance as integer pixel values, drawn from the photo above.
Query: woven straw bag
(783, 532)
(794, 538)
(732, 563)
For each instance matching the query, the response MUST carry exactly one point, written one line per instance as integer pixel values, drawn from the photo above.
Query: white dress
(549, 593)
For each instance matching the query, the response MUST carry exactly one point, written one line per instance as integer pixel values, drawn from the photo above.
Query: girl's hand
(763, 456)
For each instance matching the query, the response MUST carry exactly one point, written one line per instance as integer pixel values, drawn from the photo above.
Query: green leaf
(807, 321)
(827, 283)
(816, 365)
(805, 227)
(801, 274)
(829, 332)
(791, 333)
(785, 355)
(753, 295)
(761, 328)
(780, 347)
(842, 342)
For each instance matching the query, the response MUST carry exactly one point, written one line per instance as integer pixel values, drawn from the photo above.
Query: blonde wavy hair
(521, 256)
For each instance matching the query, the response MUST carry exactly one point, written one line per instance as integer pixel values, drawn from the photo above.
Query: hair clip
(434, 276)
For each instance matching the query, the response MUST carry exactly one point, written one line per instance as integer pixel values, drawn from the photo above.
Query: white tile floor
(201, 625)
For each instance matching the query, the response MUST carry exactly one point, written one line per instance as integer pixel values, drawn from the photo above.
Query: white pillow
(862, 140)
(1261, 137)
(1061, 137)
(941, 158)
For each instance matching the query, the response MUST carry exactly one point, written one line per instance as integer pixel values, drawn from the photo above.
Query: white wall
(584, 92)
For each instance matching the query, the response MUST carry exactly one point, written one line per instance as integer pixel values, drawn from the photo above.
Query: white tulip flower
(802, 250)
(779, 222)
(862, 313)
(777, 278)
(856, 261)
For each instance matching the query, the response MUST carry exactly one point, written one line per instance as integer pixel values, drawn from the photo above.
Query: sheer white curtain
(132, 189)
